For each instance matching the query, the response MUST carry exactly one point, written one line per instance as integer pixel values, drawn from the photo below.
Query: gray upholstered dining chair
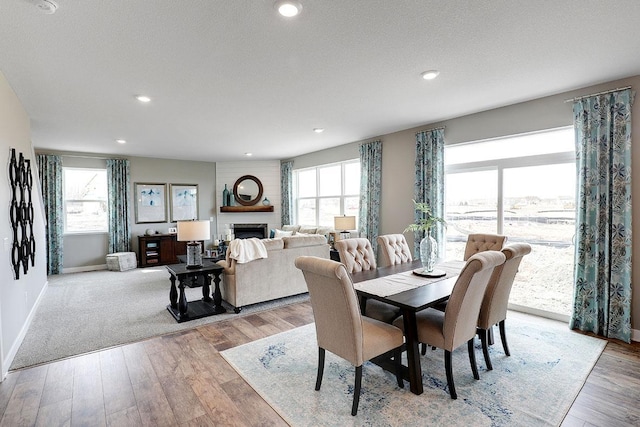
(457, 324)
(483, 242)
(357, 255)
(393, 249)
(340, 327)
(496, 298)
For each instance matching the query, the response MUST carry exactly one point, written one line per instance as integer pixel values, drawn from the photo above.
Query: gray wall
(398, 156)
(84, 252)
(18, 298)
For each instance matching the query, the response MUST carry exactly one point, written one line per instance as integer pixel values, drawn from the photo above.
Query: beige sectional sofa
(273, 277)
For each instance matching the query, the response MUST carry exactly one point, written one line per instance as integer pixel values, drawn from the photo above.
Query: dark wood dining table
(410, 302)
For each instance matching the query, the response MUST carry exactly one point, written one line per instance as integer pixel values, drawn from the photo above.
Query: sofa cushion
(306, 229)
(300, 241)
(290, 228)
(273, 244)
(325, 230)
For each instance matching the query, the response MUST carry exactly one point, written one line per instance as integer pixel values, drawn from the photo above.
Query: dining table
(400, 286)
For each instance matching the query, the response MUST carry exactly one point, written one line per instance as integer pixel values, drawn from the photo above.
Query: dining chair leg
(320, 367)
(448, 369)
(397, 356)
(503, 336)
(423, 349)
(484, 338)
(472, 359)
(356, 390)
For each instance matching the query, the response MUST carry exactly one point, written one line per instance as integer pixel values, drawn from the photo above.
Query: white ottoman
(122, 261)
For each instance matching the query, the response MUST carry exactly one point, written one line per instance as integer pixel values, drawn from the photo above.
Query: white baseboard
(84, 268)
(23, 332)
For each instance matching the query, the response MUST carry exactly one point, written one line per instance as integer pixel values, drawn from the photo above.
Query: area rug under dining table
(536, 385)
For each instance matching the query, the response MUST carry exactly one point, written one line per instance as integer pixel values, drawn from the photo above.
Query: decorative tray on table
(433, 273)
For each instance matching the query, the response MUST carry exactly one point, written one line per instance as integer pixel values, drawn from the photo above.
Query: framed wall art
(151, 203)
(184, 202)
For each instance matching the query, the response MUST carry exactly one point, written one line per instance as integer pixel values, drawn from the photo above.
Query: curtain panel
(370, 187)
(429, 184)
(50, 178)
(602, 274)
(118, 182)
(286, 189)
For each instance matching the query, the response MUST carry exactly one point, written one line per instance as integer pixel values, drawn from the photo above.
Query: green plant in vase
(428, 245)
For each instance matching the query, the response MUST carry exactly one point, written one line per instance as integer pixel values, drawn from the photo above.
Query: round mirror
(247, 190)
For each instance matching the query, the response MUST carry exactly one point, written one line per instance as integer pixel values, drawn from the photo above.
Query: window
(85, 200)
(521, 186)
(323, 192)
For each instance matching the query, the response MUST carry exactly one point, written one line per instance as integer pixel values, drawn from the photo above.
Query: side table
(183, 310)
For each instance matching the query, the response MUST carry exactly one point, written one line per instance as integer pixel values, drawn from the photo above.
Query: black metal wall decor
(21, 213)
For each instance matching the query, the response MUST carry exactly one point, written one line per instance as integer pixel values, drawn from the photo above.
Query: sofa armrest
(229, 266)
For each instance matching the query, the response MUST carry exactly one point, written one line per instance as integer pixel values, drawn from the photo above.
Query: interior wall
(83, 252)
(268, 172)
(150, 170)
(398, 156)
(18, 298)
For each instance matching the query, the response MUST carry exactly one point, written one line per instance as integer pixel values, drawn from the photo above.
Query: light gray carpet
(84, 312)
(534, 387)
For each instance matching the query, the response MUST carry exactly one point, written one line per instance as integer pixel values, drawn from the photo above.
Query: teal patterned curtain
(50, 176)
(118, 178)
(429, 185)
(286, 189)
(370, 187)
(602, 274)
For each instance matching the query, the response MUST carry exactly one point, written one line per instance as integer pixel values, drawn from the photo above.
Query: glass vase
(428, 253)
(225, 196)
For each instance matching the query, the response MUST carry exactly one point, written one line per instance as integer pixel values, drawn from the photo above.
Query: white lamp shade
(344, 223)
(190, 231)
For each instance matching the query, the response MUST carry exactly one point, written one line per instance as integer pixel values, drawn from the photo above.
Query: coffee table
(183, 310)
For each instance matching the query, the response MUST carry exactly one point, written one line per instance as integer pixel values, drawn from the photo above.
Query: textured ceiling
(229, 77)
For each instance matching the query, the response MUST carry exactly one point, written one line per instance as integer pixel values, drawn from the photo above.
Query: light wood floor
(181, 380)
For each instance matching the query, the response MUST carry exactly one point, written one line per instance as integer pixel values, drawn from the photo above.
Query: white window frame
(317, 198)
(65, 201)
(508, 163)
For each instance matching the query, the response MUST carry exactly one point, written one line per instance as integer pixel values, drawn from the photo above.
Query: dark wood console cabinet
(160, 249)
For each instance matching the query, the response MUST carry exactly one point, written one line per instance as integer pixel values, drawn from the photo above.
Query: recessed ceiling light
(143, 98)
(318, 130)
(121, 141)
(46, 6)
(430, 75)
(288, 8)
(248, 154)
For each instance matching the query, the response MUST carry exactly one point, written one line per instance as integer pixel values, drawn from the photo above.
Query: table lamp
(191, 232)
(344, 224)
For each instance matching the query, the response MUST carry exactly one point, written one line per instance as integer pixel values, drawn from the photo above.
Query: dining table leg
(413, 355)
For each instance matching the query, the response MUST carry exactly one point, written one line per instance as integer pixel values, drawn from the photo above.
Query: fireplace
(246, 231)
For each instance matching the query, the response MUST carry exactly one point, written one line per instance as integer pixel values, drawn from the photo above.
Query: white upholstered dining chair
(496, 298)
(393, 250)
(357, 255)
(340, 327)
(483, 242)
(450, 329)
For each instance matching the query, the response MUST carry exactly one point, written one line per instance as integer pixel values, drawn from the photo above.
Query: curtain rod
(429, 130)
(577, 98)
(78, 156)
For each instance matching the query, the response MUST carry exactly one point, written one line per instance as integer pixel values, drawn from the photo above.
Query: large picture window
(85, 200)
(324, 192)
(521, 186)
